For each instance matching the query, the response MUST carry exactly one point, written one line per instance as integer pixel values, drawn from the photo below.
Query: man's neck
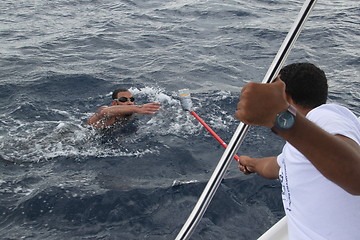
(302, 110)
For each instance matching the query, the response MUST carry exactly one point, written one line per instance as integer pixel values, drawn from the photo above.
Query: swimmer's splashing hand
(148, 108)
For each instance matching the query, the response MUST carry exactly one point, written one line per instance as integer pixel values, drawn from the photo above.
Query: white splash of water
(43, 140)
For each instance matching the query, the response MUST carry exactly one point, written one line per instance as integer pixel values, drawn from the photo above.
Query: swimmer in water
(122, 108)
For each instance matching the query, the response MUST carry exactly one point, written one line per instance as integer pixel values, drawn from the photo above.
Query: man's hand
(260, 103)
(246, 165)
(266, 167)
(148, 108)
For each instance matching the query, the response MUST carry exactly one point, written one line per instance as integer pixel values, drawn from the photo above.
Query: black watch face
(285, 120)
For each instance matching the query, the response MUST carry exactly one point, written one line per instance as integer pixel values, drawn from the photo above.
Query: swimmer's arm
(118, 110)
(104, 113)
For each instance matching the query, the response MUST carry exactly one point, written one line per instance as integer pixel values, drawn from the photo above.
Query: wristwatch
(284, 120)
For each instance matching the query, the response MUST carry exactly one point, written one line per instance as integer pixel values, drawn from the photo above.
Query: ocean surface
(60, 60)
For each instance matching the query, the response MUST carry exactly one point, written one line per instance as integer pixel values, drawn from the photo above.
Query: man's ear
(113, 103)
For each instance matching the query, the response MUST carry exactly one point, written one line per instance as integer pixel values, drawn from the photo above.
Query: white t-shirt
(317, 208)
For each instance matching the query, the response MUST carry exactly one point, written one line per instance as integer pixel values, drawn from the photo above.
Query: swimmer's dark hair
(116, 91)
(306, 84)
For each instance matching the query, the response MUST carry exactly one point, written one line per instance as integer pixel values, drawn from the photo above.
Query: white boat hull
(277, 232)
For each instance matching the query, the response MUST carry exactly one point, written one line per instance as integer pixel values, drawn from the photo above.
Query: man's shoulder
(98, 111)
(336, 119)
(330, 109)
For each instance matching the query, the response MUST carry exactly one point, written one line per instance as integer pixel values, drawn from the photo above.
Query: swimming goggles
(125, 99)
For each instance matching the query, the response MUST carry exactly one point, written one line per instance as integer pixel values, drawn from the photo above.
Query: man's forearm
(337, 158)
(115, 111)
(268, 167)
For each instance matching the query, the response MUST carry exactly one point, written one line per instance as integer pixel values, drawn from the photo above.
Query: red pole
(212, 132)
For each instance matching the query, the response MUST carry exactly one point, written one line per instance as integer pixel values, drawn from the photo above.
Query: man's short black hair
(306, 84)
(116, 91)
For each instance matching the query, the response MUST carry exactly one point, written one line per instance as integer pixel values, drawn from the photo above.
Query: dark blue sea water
(61, 59)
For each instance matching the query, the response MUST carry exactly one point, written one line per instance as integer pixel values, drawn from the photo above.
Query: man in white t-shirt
(319, 167)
